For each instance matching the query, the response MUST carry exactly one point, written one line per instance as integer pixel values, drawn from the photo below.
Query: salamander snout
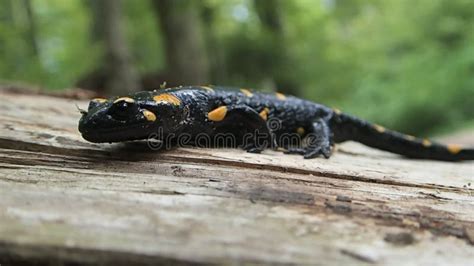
(118, 120)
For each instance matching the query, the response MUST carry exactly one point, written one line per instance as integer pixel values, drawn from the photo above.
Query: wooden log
(63, 199)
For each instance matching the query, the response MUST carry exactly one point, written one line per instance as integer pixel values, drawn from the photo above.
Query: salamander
(253, 120)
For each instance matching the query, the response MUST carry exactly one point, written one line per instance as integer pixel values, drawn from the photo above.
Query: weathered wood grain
(63, 199)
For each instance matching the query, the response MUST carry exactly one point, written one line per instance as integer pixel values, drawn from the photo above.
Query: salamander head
(128, 118)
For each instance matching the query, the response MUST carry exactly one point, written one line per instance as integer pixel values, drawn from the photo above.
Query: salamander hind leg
(318, 142)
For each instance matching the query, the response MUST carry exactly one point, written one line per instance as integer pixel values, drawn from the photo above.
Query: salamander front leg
(319, 142)
(246, 124)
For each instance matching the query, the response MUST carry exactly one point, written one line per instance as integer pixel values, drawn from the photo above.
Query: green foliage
(408, 65)
(65, 52)
(418, 70)
(405, 64)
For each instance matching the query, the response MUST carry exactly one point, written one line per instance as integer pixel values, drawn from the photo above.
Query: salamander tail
(346, 127)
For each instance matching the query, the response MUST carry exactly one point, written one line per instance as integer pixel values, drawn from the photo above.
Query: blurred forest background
(406, 64)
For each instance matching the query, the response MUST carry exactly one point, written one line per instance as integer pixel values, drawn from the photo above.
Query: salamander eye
(123, 108)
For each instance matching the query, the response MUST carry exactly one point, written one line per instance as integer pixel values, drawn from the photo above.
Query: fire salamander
(254, 121)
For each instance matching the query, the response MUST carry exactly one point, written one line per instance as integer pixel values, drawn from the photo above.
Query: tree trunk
(121, 74)
(217, 66)
(31, 32)
(269, 14)
(181, 27)
(97, 13)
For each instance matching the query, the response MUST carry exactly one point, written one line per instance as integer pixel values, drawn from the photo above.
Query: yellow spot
(426, 143)
(246, 92)
(410, 137)
(125, 99)
(207, 88)
(217, 114)
(150, 116)
(264, 113)
(337, 111)
(379, 128)
(280, 96)
(167, 98)
(454, 149)
(300, 131)
(99, 100)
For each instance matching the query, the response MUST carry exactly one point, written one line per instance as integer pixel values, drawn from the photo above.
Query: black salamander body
(216, 116)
